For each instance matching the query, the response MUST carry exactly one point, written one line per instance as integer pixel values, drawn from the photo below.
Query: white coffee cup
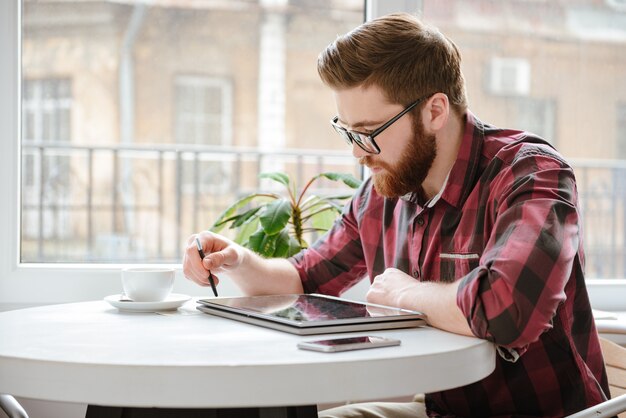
(147, 284)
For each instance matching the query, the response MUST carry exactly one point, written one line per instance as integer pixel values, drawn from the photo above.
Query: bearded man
(473, 225)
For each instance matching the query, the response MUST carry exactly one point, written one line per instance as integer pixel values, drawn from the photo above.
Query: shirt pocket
(453, 266)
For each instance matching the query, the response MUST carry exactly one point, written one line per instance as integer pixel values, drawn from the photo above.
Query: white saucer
(173, 301)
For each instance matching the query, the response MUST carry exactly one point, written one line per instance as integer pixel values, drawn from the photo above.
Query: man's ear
(436, 112)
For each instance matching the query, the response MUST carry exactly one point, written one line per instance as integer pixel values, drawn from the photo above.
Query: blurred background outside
(142, 122)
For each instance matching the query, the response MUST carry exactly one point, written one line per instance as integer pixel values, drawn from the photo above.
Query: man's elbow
(514, 329)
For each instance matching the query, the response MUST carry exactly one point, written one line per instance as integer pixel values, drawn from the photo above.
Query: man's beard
(411, 171)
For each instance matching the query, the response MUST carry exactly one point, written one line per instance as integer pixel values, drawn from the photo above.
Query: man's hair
(398, 53)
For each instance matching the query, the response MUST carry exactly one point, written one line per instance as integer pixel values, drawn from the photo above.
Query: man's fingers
(221, 260)
(220, 255)
(193, 268)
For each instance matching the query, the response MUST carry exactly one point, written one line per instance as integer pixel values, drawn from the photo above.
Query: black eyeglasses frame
(366, 141)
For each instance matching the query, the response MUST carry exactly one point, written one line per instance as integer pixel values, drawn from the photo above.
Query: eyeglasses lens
(362, 140)
(343, 133)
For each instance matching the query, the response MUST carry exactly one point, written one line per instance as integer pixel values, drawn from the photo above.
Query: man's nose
(357, 152)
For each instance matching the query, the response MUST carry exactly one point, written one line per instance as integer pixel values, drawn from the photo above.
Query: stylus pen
(211, 280)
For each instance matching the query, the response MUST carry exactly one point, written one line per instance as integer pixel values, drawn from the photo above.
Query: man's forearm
(438, 302)
(262, 276)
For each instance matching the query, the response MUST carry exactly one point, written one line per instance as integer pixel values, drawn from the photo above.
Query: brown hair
(405, 57)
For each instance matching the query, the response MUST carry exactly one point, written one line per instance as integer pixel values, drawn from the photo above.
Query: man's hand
(392, 288)
(221, 255)
(253, 274)
(437, 300)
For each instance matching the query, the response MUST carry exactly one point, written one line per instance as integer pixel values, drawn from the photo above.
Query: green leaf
(246, 230)
(337, 197)
(286, 245)
(276, 176)
(348, 179)
(262, 243)
(276, 216)
(244, 217)
(294, 247)
(227, 215)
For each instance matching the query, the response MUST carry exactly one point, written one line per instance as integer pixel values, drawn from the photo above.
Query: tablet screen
(308, 308)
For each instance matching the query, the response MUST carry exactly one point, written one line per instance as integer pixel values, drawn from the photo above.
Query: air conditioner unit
(509, 77)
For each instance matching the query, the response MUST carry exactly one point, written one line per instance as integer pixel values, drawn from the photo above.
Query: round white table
(92, 353)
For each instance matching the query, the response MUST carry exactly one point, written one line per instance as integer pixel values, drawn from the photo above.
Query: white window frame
(27, 284)
(36, 284)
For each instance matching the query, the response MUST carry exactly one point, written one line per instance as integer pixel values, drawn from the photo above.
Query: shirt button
(416, 274)
(420, 221)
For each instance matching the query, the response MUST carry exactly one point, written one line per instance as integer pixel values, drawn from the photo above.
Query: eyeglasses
(366, 141)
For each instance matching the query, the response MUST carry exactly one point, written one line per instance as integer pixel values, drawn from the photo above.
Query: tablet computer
(307, 314)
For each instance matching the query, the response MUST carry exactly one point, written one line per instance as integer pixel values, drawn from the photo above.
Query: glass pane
(142, 121)
(557, 69)
(213, 100)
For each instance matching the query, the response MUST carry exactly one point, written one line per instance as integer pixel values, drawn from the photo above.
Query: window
(538, 116)
(130, 107)
(204, 117)
(46, 110)
(509, 76)
(170, 119)
(117, 87)
(203, 111)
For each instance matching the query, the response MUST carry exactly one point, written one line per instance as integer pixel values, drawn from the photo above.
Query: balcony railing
(139, 203)
(124, 204)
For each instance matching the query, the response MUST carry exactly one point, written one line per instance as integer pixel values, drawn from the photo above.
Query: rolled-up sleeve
(514, 293)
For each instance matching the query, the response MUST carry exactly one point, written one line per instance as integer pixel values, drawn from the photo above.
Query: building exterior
(141, 123)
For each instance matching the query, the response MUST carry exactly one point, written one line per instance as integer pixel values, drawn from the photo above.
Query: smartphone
(346, 344)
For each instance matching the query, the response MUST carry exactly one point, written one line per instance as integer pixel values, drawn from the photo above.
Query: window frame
(28, 284)
(23, 285)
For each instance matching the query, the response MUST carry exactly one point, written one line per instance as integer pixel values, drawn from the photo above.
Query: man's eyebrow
(361, 123)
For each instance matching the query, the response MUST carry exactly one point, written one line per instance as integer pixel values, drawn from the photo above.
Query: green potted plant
(275, 225)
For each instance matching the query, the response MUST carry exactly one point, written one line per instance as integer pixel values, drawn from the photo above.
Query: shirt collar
(436, 198)
(463, 175)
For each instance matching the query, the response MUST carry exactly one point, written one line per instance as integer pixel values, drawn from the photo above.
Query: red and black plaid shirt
(507, 225)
